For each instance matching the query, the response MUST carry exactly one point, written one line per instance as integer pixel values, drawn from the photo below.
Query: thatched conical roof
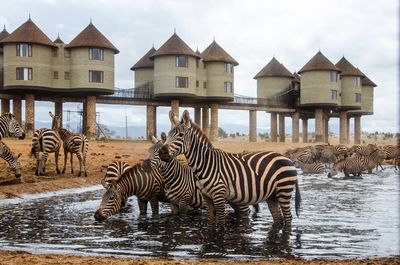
(28, 33)
(347, 69)
(274, 69)
(215, 53)
(174, 46)
(319, 63)
(91, 37)
(58, 40)
(145, 61)
(4, 33)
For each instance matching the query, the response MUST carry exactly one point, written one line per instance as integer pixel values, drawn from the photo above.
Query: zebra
(362, 149)
(340, 151)
(179, 180)
(350, 165)
(113, 172)
(11, 159)
(46, 141)
(392, 152)
(239, 179)
(327, 156)
(314, 168)
(306, 155)
(374, 159)
(148, 187)
(10, 126)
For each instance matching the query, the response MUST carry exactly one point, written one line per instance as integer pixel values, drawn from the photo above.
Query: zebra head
(56, 121)
(154, 161)
(14, 128)
(114, 172)
(16, 165)
(111, 203)
(177, 141)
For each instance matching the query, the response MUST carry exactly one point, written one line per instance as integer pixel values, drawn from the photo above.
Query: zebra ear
(186, 119)
(174, 120)
(154, 139)
(19, 155)
(163, 137)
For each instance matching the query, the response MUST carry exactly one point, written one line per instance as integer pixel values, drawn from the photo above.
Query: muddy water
(339, 219)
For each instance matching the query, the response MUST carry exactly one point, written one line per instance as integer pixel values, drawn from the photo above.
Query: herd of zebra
(44, 141)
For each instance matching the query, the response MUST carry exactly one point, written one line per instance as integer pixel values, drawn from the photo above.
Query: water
(339, 219)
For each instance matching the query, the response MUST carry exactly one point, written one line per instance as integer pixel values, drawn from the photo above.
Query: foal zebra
(11, 159)
(46, 141)
(240, 179)
(180, 183)
(10, 126)
(314, 168)
(134, 181)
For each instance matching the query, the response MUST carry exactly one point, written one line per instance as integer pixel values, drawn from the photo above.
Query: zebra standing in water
(240, 179)
(46, 141)
(11, 159)
(148, 187)
(392, 152)
(179, 180)
(10, 126)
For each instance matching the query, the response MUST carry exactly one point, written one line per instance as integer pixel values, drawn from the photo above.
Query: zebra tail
(297, 199)
(33, 149)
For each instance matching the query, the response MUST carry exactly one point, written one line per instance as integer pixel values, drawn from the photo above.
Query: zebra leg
(42, 164)
(65, 160)
(72, 163)
(273, 206)
(284, 203)
(219, 205)
(56, 158)
(37, 164)
(142, 206)
(154, 206)
(183, 208)
(79, 156)
(174, 209)
(210, 210)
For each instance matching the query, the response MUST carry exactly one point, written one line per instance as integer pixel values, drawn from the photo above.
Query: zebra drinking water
(113, 172)
(11, 159)
(240, 179)
(10, 126)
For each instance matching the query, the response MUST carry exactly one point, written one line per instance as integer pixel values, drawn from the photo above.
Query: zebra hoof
(58, 171)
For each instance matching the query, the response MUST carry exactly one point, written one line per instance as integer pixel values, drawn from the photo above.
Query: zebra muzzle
(98, 216)
(22, 137)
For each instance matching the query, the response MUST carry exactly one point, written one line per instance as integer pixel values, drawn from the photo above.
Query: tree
(222, 133)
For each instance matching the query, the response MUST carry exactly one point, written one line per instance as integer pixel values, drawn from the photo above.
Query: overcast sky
(365, 32)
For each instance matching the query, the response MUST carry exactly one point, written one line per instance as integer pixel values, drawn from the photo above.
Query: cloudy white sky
(365, 32)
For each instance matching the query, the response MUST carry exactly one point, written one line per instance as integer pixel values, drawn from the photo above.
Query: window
(55, 52)
(181, 82)
(55, 75)
(181, 61)
(228, 87)
(228, 68)
(96, 54)
(204, 84)
(197, 83)
(333, 76)
(358, 81)
(67, 75)
(358, 97)
(24, 73)
(24, 50)
(333, 94)
(96, 76)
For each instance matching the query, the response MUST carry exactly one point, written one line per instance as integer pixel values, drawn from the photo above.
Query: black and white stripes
(11, 159)
(10, 126)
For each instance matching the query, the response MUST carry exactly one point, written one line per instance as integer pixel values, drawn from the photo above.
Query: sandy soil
(101, 153)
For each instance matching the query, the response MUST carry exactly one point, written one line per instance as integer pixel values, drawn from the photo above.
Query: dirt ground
(101, 153)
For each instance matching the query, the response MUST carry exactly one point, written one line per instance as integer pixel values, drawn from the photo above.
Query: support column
(175, 108)
(214, 122)
(206, 120)
(197, 116)
(58, 109)
(357, 129)
(17, 109)
(281, 127)
(151, 121)
(326, 129)
(90, 110)
(274, 127)
(319, 125)
(343, 127)
(29, 115)
(252, 125)
(295, 127)
(348, 130)
(5, 105)
(305, 130)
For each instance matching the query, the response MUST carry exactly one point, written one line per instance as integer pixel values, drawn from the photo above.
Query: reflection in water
(339, 219)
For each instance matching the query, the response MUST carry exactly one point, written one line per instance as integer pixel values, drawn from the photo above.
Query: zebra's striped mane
(199, 132)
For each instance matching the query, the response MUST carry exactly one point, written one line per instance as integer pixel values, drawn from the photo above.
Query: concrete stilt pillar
(206, 120)
(319, 125)
(5, 105)
(175, 108)
(295, 127)
(17, 109)
(357, 129)
(29, 115)
(58, 109)
(197, 116)
(348, 130)
(305, 130)
(150, 121)
(343, 127)
(274, 127)
(253, 125)
(90, 110)
(326, 129)
(281, 127)
(214, 122)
